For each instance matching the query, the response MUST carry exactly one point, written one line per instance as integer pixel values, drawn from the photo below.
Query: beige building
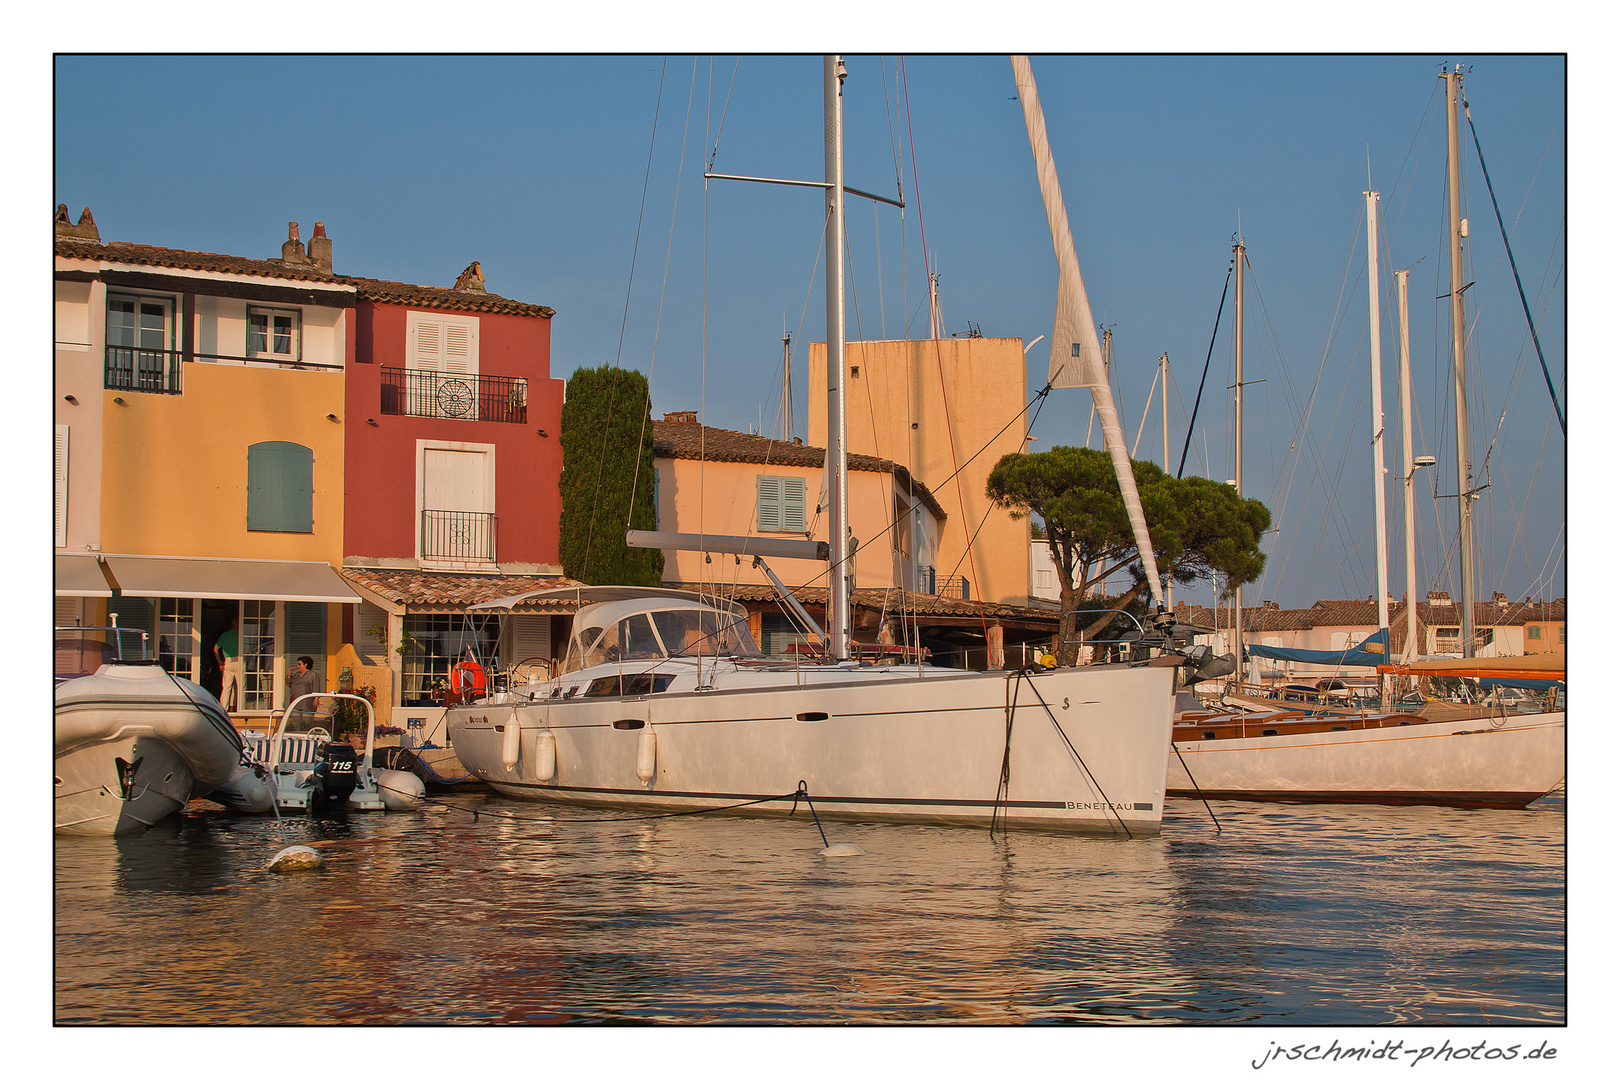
(931, 406)
(727, 483)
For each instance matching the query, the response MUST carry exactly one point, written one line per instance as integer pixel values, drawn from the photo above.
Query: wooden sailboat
(1480, 757)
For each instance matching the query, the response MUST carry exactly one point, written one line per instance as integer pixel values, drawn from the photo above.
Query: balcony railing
(500, 398)
(458, 536)
(147, 371)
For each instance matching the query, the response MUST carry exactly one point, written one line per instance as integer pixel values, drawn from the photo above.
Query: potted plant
(349, 716)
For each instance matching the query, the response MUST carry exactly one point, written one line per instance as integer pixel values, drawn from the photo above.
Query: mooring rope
(1078, 759)
(1196, 788)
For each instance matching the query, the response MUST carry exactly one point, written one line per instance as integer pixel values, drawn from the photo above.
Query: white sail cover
(1076, 355)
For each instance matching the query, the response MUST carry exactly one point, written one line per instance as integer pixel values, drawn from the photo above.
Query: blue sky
(545, 168)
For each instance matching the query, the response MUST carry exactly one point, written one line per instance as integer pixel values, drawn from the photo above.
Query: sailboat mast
(1237, 452)
(1381, 595)
(1164, 407)
(1408, 468)
(787, 388)
(838, 623)
(1465, 509)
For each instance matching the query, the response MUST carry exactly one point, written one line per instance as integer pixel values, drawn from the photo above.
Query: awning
(229, 579)
(79, 575)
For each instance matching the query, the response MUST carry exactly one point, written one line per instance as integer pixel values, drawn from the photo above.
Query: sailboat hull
(1084, 747)
(1502, 761)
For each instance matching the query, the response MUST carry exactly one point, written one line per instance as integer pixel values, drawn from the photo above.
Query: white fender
(545, 756)
(399, 790)
(509, 743)
(647, 754)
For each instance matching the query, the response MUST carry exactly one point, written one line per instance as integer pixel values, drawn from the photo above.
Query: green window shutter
(281, 488)
(306, 632)
(793, 504)
(769, 515)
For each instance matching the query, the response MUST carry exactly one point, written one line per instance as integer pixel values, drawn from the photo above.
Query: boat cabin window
(584, 642)
(599, 638)
(690, 632)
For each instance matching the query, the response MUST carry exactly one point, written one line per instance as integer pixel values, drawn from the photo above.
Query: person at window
(228, 654)
(303, 681)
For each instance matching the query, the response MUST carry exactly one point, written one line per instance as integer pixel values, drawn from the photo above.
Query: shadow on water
(533, 915)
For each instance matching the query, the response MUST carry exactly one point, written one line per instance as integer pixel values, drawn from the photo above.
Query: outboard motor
(1202, 664)
(334, 778)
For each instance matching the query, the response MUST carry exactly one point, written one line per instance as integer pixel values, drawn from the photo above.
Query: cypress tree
(607, 455)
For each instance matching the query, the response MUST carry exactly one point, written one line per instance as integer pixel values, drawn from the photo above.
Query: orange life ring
(467, 676)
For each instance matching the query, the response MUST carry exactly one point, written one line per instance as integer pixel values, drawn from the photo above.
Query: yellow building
(199, 452)
(932, 405)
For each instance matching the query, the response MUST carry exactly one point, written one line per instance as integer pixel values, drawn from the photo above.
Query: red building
(451, 463)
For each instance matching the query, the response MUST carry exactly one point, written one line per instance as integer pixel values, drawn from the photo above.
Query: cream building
(932, 405)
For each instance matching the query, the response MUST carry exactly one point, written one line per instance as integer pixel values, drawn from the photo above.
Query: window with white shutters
(441, 361)
(780, 504)
(60, 478)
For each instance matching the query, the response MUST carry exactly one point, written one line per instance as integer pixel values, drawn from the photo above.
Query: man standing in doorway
(228, 652)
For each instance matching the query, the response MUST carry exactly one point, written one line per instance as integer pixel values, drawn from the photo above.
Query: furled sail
(1076, 354)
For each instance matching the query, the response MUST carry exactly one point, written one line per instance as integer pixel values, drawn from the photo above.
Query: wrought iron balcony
(501, 398)
(147, 371)
(458, 536)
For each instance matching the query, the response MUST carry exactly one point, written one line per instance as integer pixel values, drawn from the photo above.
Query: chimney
(320, 248)
(293, 250)
(84, 230)
(471, 279)
(689, 417)
(1436, 597)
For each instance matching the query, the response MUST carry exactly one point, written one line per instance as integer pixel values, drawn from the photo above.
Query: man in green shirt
(229, 655)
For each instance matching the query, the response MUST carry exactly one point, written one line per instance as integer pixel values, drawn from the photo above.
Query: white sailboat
(1485, 757)
(665, 703)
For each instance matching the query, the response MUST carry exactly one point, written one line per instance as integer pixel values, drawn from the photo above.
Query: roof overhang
(229, 579)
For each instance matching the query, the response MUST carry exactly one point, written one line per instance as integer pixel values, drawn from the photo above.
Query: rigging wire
(922, 233)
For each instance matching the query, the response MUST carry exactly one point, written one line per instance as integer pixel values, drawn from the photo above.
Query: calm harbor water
(1308, 915)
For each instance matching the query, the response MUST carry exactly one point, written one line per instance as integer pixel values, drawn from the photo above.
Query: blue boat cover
(1354, 656)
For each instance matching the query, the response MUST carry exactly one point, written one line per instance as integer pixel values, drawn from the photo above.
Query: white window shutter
(428, 345)
(60, 478)
(460, 356)
(371, 650)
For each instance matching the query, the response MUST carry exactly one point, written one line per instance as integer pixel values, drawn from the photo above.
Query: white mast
(1382, 591)
(1408, 468)
(1076, 355)
(838, 561)
(1238, 258)
(1164, 407)
(1465, 509)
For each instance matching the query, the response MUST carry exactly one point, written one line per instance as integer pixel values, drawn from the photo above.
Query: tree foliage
(1199, 528)
(607, 460)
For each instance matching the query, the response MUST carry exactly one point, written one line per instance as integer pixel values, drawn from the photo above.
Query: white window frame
(296, 352)
(422, 447)
(447, 346)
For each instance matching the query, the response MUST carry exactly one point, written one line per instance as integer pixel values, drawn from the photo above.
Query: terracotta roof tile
(921, 604)
(694, 442)
(424, 591)
(373, 289)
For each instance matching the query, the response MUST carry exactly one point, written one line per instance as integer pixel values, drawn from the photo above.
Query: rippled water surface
(1309, 915)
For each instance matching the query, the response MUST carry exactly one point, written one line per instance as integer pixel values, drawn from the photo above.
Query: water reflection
(522, 914)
